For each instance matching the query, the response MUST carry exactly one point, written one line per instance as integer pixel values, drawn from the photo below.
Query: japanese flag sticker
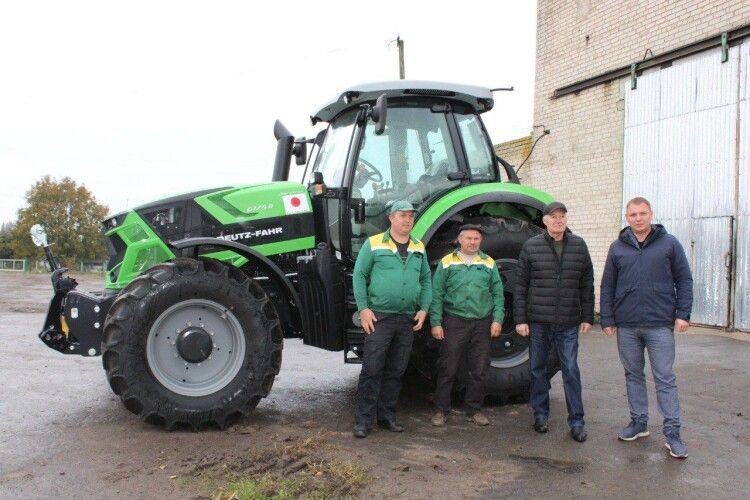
(295, 203)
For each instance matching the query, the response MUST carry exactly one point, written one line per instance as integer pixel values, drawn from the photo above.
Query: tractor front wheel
(192, 342)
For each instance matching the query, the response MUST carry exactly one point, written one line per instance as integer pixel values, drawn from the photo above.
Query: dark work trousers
(464, 339)
(386, 356)
(565, 339)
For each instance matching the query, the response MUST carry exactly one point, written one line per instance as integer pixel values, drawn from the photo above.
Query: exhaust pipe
(284, 144)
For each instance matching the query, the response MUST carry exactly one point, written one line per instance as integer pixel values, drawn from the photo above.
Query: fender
(447, 206)
(274, 272)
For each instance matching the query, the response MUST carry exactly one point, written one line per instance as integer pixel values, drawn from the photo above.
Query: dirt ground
(64, 434)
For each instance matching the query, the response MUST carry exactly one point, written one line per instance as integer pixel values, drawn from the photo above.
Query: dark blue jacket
(649, 286)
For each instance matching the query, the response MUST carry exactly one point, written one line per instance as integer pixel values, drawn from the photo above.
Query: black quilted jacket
(551, 290)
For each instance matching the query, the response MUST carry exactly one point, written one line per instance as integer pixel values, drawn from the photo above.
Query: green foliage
(71, 216)
(6, 236)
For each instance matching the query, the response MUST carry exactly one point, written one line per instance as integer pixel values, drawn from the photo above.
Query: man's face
(470, 240)
(402, 221)
(556, 221)
(639, 216)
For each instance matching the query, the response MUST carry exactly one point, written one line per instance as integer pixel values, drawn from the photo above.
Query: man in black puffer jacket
(553, 298)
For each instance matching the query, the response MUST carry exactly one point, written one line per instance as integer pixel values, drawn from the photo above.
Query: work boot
(360, 431)
(540, 425)
(674, 444)
(438, 419)
(633, 431)
(478, 418)
(578, 433)
(391, 425)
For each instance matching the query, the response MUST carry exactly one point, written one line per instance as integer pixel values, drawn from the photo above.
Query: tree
(71, 216)
(6, 237)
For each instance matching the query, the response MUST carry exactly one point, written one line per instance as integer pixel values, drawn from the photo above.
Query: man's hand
(522, 330)
(419, 318)
(495, 329)
(585, 327)
(680, 325)
(368, 319)
(438, 333)
(609, 331)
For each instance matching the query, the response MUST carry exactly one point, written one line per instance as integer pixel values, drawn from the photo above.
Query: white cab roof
(479, 98)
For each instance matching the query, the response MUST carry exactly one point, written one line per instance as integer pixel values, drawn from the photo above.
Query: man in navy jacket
(646, 294)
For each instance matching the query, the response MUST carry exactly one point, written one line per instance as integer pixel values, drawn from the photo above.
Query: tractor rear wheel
(192, 342)
(508, 376)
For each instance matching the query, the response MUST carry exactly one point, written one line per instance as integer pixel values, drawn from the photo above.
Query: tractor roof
(479, 98)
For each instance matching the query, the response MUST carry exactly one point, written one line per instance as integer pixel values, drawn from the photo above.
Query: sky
(141, 100)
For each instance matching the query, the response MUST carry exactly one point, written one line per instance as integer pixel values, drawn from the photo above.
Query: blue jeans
(659, 342)
(565, 339)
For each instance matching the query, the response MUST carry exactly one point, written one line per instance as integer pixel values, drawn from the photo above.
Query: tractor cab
(402, 140)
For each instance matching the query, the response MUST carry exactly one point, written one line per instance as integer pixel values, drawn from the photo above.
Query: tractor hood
(272, 218)
(242, 213)
(259, 201)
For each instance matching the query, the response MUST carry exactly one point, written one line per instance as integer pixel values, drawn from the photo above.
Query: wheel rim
(195, 376)
(508, 350)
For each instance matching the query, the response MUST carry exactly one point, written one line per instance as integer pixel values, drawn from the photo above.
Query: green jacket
(384, 283)
(469, 292)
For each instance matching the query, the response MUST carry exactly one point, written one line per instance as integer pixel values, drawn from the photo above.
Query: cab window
(410, 161)
(479, 154)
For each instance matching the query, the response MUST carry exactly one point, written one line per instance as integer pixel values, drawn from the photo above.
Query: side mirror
(38, 235)
(379, 113)
(358, 206)
(299, 150)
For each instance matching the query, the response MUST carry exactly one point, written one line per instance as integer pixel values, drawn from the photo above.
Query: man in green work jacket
(467, 309)
(393, 293)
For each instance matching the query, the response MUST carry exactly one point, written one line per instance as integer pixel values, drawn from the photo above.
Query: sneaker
(478, 418)
(674, 444)
(578, 433)
(633, 431)
(540, 425)
(438, 419)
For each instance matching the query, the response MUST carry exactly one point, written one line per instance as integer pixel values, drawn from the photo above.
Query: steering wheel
(368, 171)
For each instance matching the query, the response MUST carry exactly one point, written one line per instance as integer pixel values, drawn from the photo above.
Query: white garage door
(687, 144)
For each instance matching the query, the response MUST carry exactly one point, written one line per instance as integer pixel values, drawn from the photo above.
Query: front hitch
(74, 318)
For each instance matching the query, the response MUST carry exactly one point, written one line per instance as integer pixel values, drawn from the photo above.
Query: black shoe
(360, 431)
(391, 425)
(578, 433)
(540, 425)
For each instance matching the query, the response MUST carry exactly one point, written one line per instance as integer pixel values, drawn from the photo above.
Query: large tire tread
(124, 359)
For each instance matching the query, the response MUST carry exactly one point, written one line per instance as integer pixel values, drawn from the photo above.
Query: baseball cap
(475, 227)
(401, 206)
(555, 205)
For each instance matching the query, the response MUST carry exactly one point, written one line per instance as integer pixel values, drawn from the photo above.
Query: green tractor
(201, 289)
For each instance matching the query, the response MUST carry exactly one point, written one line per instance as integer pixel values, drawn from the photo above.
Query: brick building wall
(580, 161)
(515, 151)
